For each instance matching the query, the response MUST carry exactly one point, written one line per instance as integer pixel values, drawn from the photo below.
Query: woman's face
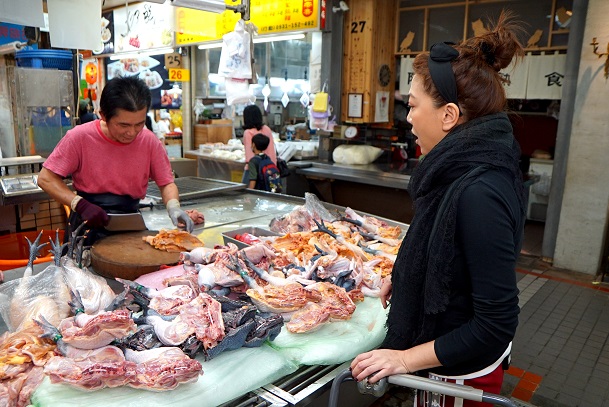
(426, 119)
(125, 125)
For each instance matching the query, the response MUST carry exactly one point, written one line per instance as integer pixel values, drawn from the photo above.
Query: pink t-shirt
(100, 165)
(247, 143)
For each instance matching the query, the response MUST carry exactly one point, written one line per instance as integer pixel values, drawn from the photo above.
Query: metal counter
(371, 174)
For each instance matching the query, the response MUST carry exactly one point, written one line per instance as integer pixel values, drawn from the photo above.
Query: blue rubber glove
(179, 218)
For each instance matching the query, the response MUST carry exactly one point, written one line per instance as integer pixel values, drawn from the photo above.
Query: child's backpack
(269, 178)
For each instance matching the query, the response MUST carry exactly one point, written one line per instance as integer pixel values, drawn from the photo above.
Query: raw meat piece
(173, 241)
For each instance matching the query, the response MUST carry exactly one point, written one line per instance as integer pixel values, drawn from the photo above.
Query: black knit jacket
(479, 162)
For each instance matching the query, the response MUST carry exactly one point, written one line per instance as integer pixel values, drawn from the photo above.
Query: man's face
(125, 125)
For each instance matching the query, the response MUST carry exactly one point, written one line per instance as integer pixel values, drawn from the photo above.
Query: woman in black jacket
(454, 299)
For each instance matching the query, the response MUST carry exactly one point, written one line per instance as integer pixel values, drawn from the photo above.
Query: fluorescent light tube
(214, 6)
(209, 45)
(143, 53)
(269, 38)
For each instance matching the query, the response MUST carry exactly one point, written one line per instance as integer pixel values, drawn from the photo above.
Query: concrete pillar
(583, 215)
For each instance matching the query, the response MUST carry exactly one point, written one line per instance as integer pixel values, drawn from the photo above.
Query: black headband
(441, 71)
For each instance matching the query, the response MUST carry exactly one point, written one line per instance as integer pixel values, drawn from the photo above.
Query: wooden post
(368, 60)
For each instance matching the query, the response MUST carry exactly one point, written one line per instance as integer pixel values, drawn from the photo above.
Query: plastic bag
(358, 155)
(319, 121)
(320, 104)
(30, 297)
(235, 57)
(282, 165)
(238, 91)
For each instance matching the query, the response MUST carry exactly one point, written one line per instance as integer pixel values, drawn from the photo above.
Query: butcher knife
(125, 222)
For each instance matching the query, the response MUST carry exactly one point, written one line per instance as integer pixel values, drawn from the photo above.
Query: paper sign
(270, 16)
(173, 60)
(24, 12)
(179, 75)
(70, 24)
(143, 26)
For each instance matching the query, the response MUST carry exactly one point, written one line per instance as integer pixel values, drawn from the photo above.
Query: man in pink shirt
(110, 161)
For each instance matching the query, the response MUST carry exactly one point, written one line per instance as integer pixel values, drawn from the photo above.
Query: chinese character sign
(546, 76)
(143, 26)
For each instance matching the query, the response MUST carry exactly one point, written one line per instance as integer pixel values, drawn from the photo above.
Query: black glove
(94, 215)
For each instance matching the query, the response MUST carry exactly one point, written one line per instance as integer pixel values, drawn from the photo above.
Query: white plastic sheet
(337, 342)
(234, 373)
(226, 377)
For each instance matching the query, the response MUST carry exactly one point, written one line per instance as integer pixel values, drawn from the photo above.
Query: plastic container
(45, 58)
(15, 250)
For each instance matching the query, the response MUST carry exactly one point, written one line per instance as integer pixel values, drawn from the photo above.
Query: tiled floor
(560, 355)
(562, 339)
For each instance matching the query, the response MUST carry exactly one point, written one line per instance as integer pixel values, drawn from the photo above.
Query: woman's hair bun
(498, 46)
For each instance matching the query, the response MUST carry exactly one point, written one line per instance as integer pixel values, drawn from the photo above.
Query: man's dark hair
(261, 141)
(252, 117)
(124, 92)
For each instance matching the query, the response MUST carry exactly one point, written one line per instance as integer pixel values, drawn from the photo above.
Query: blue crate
(45, 58)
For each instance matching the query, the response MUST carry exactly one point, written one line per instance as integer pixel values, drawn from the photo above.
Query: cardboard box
(213, 133)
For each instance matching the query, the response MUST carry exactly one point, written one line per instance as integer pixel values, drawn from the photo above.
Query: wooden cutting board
(127, 256)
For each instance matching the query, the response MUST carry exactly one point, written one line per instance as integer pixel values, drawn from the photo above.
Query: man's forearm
(169, 191)
(53, 185)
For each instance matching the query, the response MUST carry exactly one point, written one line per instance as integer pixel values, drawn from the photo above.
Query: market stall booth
(291, 369)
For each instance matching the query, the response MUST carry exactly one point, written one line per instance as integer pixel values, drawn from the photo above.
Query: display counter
(209, 166)
(374, 188)
(291, 370)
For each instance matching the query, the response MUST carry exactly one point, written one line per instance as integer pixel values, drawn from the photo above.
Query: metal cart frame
(419, 383)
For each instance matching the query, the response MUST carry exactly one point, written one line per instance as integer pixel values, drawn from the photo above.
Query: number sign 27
(357, 26)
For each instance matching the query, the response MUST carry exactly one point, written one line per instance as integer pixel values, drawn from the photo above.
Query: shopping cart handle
(435, 386)
(449, 389)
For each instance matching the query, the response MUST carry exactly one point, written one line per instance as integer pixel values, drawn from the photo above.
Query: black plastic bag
(282, 165)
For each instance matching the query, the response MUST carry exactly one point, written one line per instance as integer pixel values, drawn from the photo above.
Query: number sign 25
(173, 60)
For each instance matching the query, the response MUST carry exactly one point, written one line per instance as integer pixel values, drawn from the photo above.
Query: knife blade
(123, 222)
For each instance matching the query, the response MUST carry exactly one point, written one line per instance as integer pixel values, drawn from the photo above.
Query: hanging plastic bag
(238, 91)
(235, 57)
(320, 103)
(319, 120)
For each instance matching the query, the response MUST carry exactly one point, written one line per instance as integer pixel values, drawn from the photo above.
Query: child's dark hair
(260, 141)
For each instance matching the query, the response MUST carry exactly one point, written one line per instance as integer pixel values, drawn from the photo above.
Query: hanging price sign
(179, 75)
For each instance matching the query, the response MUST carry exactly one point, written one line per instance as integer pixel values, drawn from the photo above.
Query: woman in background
(252, 123)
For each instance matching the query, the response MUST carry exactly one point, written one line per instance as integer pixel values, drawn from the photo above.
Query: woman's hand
(386, 292)
(379, 363)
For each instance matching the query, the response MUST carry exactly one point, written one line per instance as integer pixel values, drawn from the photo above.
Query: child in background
(263, 173)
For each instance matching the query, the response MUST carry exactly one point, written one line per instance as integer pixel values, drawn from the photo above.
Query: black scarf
(423, 269)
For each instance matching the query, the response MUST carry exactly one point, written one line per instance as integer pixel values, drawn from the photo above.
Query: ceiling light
(269, 38)
(144, 53)
(215, 6)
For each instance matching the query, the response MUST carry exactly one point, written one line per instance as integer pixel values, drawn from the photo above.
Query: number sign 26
(179, 75)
